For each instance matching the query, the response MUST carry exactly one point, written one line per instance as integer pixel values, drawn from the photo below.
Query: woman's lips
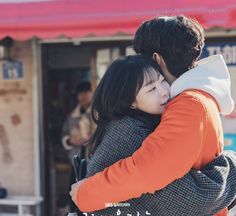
(163, 104)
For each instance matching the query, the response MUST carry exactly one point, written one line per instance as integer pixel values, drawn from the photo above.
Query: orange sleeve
(223, 212)
(165, 155)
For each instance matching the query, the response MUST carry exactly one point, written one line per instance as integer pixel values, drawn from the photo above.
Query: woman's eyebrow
(150, 82)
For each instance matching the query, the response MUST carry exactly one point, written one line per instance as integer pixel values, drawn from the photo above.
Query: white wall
(17, 169)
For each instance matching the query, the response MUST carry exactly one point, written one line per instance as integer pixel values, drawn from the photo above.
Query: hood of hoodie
(210, 75)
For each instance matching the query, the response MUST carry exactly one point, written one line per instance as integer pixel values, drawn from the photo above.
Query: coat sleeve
(165, 155)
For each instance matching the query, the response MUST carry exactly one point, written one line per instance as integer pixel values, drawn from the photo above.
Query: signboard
(228, 50)
(12, 70)
(230, 142)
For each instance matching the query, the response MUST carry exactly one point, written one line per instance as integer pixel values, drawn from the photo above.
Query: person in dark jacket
(126, 108)
(78, 128)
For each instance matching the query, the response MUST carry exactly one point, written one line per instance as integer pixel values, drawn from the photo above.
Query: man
(78, 128)
(190, 134)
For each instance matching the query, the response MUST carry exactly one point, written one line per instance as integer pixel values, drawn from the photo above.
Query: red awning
(80, 18)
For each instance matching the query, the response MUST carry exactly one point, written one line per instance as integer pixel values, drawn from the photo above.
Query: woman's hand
(74, 190)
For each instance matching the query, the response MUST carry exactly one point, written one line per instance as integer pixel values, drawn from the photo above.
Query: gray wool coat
(198, 193)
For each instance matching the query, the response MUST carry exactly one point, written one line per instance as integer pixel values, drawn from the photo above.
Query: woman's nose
(165, 91)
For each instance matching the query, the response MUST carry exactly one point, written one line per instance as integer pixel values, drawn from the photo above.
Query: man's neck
(169, 77)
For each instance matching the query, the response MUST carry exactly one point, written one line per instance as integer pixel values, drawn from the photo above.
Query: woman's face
(153, 95)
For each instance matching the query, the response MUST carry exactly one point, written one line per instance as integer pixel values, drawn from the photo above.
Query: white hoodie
(210, 75)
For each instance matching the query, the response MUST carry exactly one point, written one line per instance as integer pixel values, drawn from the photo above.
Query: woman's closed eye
(152, 89)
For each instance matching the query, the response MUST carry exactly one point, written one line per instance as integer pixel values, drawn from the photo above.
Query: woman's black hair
(118, 90)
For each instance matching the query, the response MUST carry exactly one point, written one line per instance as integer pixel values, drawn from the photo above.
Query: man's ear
(157, 58)
(160, 61)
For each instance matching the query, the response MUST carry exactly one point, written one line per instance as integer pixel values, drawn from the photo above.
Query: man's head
(174, 42)
(84, 94)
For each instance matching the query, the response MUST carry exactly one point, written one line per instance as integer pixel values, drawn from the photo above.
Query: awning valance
(47, 19)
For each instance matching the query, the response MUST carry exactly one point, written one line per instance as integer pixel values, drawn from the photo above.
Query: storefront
(53, 48)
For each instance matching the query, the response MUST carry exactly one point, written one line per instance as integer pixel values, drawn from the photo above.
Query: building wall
(16, 125)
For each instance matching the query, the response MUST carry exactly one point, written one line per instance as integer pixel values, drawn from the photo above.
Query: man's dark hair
(178, 39)
(83, 87)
